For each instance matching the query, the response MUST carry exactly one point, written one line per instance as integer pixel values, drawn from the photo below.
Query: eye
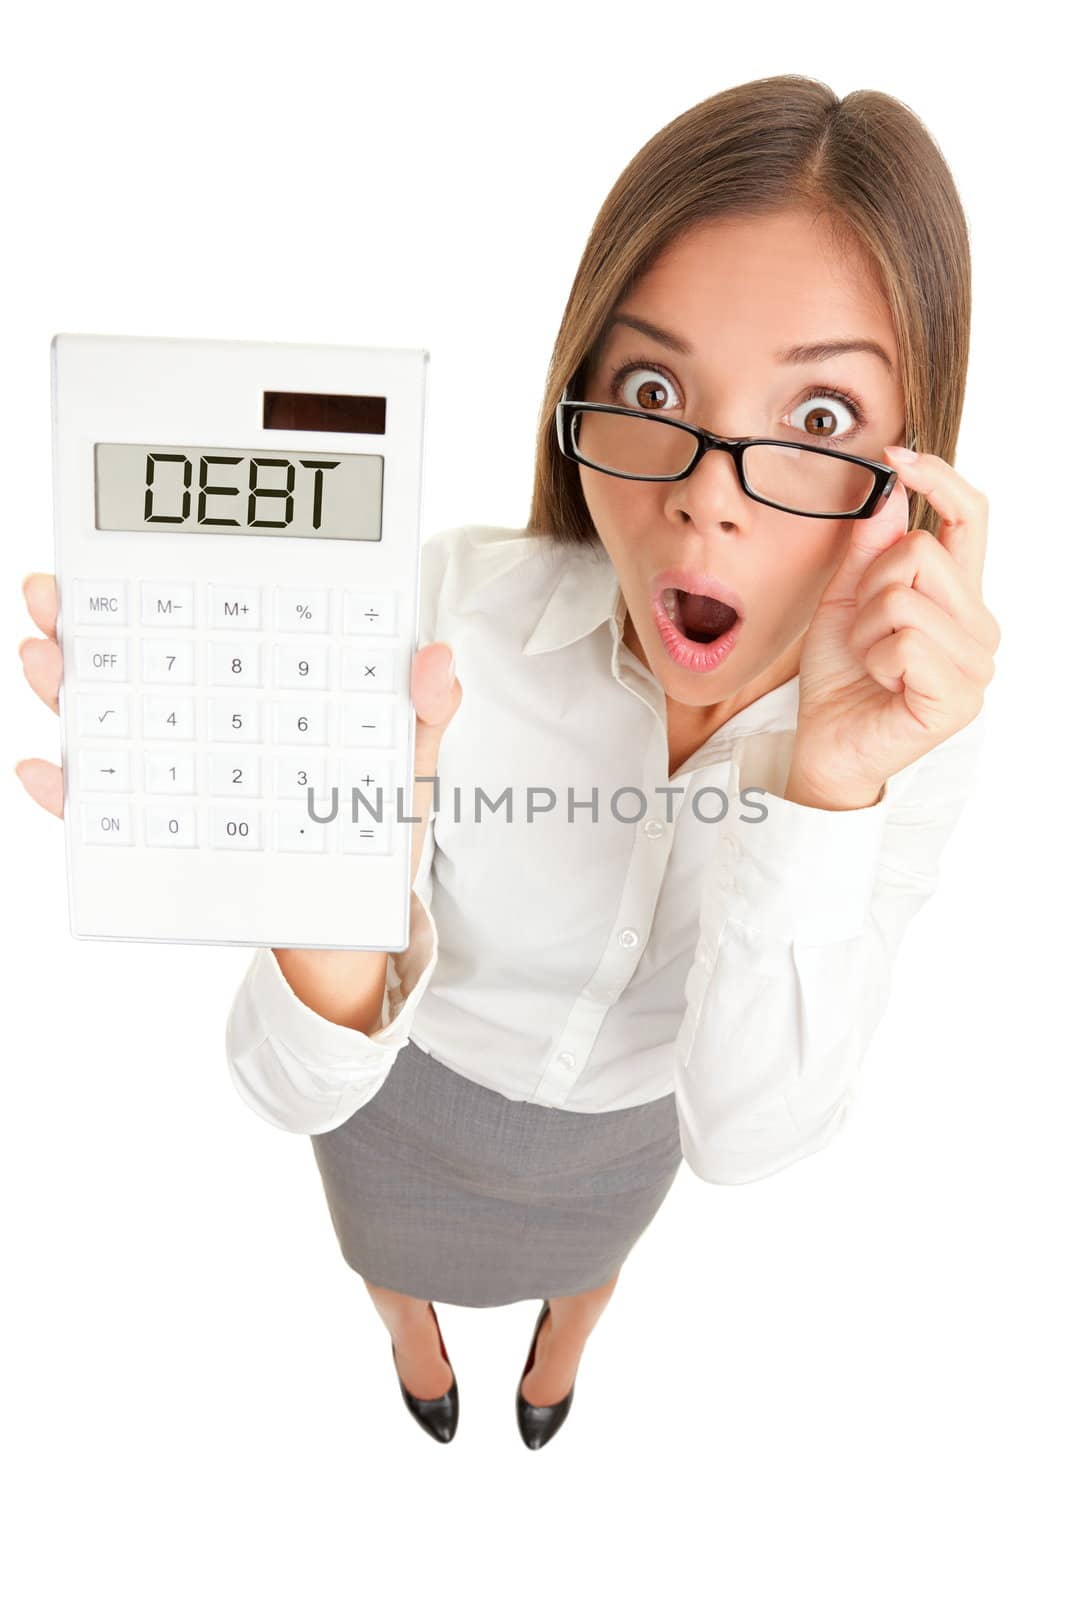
(823, 422)
(647, 395)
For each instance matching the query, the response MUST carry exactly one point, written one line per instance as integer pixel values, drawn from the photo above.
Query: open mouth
(700, 617)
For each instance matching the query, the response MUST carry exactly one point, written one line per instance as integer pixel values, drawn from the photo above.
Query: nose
(712, 492)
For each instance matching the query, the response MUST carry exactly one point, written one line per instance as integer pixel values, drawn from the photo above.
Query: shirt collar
(588, 594)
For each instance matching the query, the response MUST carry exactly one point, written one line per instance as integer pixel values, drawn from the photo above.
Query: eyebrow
(794, 355)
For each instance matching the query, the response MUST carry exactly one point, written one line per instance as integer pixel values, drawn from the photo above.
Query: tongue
(702, 615)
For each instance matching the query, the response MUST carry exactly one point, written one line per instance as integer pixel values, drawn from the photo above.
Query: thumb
(870, 536)
(435, 694)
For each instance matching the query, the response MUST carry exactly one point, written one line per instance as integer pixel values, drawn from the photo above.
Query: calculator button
(235, 718)
(369, 671)
(235, 774)
(302, 610)
(166, 827)
(302, 666)
(105, 769)
(235, 664)
(169, 772)
(371, 777)
(168, 660)
(98, 660)
(294, 775)
(104, 716)
(106, 824)
(232, 606)
(235, 829)
(301, 722)
(295, 830)
(369, 720)
(366, 836)
(100, 601)
(370, 611)
(167, 718)
(168, 605)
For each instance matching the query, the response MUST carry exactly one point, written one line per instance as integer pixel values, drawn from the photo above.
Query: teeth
(669, 601)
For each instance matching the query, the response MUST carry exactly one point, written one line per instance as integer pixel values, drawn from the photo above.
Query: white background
(845, 1381)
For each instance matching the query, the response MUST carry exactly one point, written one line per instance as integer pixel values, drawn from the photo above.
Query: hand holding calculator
(237, 619)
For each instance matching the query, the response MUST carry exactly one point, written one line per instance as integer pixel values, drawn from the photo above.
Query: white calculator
(237, 532)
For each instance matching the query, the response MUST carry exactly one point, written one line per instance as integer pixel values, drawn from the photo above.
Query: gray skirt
(446, 1190)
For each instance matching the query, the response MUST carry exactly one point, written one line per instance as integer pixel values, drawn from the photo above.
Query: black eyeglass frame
(884, 477)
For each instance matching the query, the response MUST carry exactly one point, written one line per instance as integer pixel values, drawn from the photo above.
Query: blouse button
(629, 937)
(653, 827)
(565, 1059)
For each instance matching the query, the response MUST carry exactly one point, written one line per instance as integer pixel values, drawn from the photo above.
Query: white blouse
(595, 959)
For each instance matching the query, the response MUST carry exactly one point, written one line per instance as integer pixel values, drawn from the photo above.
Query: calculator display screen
(218, 489)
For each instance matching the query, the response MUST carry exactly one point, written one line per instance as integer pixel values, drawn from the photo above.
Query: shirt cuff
(798, 872)
(310, 1037)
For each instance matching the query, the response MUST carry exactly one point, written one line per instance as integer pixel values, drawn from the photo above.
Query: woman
(737, 697)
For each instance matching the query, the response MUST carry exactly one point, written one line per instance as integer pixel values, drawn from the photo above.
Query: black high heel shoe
(440, 1414)
(538, 1424)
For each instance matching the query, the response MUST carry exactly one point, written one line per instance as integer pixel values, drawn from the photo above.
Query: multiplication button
(369, 671)
(102, 660)
(106, 824)
(165, 826)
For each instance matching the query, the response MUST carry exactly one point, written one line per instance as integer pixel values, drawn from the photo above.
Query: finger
(963, 509)
(42, 663)
(930, 687)
(43, 781)
(897, 607)
(869, 538)
(436, 694)
(920, 560)
(39, 592)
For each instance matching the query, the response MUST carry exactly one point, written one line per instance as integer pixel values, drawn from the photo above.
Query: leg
(571, 1319)
(421, 1365)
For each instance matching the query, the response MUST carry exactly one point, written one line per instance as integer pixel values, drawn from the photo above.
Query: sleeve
(801, 917)
(296, 1069)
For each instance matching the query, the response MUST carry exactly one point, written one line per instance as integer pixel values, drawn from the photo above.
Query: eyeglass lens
(796, 480)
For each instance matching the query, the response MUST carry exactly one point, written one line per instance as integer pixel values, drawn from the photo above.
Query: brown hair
(865, 163)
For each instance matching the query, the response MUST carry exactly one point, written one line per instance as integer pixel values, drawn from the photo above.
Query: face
(738, 292)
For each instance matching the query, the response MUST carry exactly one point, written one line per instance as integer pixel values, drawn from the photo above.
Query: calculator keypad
(212, 714)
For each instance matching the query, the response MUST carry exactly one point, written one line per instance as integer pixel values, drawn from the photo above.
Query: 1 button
(629, 937)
